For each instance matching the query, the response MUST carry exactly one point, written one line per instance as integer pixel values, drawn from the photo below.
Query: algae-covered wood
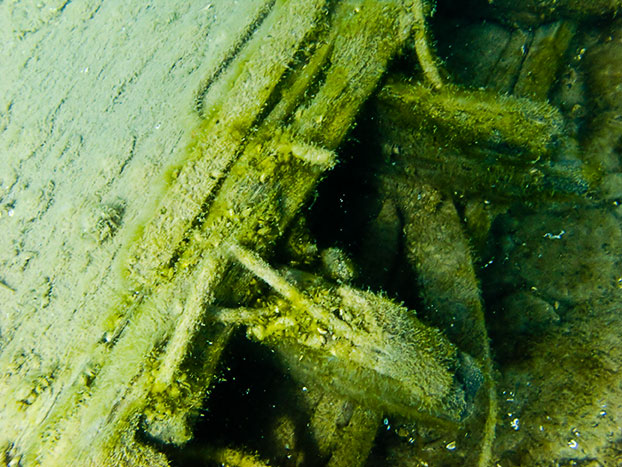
(281, 232)
(108, 265)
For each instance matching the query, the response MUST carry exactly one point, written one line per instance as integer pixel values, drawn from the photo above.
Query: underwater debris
(357, 343)
(478, 142)
(252, 164)
(274, 117)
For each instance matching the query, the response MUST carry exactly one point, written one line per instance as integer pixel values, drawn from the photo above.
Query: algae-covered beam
(358, 344)
(500, 146)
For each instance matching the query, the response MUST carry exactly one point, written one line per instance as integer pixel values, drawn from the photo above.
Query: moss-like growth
(359, 344)
(498, 146)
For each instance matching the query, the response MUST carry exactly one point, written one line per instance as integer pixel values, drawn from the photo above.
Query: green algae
(508, 142)
(270, 133)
